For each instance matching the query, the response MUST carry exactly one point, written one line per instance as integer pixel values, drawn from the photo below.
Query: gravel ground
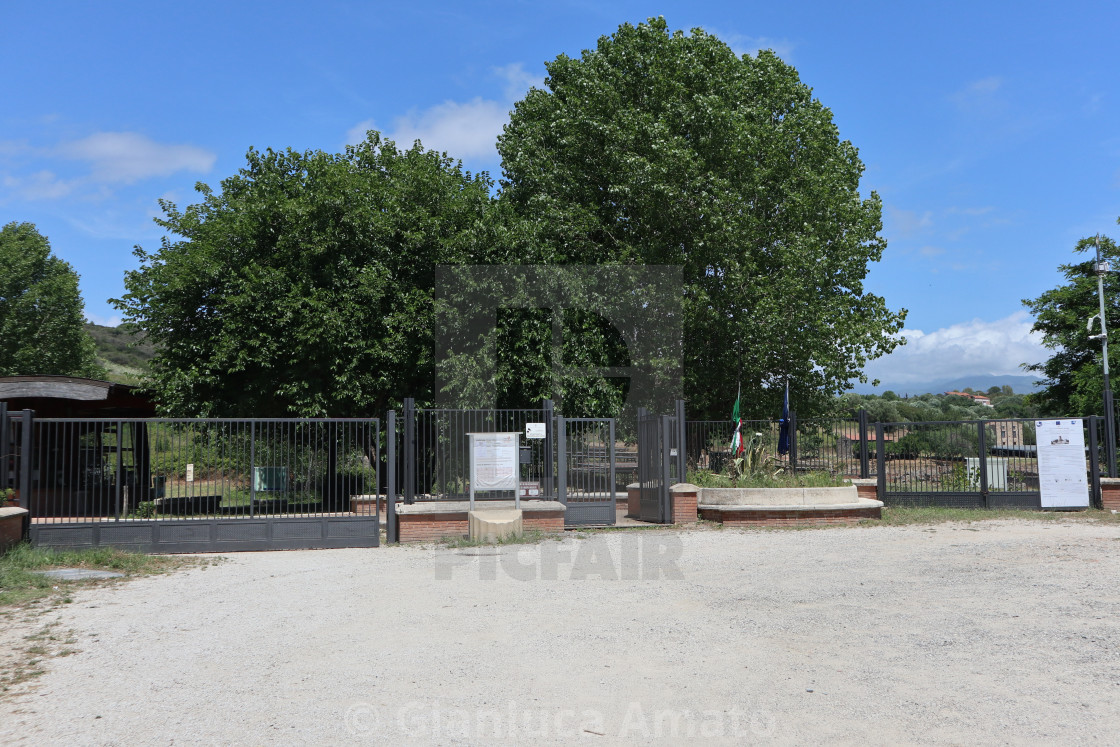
(993, 632)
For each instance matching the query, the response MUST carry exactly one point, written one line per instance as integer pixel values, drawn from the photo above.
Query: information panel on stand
(494, 461)
(1061, 463)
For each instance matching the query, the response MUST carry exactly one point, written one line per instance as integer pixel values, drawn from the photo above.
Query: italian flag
(737, 439)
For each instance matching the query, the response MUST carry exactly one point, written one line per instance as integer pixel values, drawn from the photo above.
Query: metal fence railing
(117, 469)
(434, 458)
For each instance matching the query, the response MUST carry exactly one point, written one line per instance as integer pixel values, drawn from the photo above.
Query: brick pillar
(1110, 493)
(684, 502)
(867, 488)
(633, 500)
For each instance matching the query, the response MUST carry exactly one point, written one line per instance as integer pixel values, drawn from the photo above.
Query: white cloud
(518, 80)
(980, 97)
(104, 321)
(128, 157)
(906, 223)
(976, 347)
(357, 133)
(463, 130)
(742, 44)
(42, 185)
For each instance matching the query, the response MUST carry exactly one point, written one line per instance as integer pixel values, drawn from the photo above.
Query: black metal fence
(163, 468)
(830, 445)
(434, 457)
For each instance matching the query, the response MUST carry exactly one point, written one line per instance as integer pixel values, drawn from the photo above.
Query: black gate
(203, 485)
(587, 484)
(659, 459)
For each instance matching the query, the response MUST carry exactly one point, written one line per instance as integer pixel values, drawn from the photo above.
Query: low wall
(431, 522)
(786, 506)
(13, 526)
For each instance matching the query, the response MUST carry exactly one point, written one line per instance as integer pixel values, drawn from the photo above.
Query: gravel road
(991, 633)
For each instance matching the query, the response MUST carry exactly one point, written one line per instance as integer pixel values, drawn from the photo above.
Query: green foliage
(1073, 378)
(662, 148)
(41, 320)
(707, 479)
(304, 287)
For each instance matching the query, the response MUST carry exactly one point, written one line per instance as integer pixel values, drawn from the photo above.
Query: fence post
(561, 460)
(409, 465)
(119, 468)
(1094, 464)
(682, 473)
(610, 455)
(982, 429)
(25, 458)
(880, 463)
(391, 477)
(5, 447)
(793, 442)
(252, 468)
(864, 459)
(666, 462)
(1110, 430)
(549, 476)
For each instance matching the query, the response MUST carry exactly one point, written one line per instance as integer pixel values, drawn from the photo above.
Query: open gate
(586, 453)
(660, 460)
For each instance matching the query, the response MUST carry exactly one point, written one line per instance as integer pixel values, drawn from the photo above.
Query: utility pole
(1109, 413)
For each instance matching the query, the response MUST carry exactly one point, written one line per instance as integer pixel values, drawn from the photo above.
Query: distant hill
(125, 356)
(978, 382)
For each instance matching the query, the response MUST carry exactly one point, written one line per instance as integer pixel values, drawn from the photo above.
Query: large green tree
(1072, 376)
(304, 286)
(41, 321)
(665, 148)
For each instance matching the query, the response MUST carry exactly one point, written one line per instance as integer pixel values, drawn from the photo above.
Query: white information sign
(494, 464)
(190, 473)
(534, 430)
(1061, 463)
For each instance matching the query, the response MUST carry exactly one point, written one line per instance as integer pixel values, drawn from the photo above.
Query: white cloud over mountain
(975, 347)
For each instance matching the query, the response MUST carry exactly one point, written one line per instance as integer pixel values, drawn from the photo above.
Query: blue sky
(989, 129)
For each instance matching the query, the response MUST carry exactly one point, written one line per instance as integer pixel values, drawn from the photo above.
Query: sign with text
(534, 430)
(1061, 463)
(494, 461)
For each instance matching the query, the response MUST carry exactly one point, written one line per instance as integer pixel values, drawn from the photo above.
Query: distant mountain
(123, 355)
(978, 382)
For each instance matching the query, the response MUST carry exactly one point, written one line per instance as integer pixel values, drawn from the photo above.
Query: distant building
(1008, 433)
(979, 399)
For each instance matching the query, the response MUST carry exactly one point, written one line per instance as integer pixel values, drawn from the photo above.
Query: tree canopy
(1073, 375)
(662, 148)
(304, 287)
(41, 321)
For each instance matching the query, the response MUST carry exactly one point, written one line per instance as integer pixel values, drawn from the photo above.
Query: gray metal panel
(55, 535)
(296, 529)
(213, 535)
(194, 532)
(583, 514)
(241, 529)
(344, 528)
(126, 534)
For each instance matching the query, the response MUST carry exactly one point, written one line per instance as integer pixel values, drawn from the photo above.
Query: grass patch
(707, 479)
(20, 584)
(906, 515)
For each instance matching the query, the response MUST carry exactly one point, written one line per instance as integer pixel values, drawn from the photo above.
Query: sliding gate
(203, 485)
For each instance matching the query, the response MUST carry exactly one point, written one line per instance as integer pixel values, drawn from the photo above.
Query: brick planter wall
(788, 517)
(1110, 493)
(432, 527)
